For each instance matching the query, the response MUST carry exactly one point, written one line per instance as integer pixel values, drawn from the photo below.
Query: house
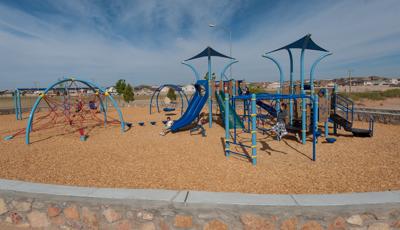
(188, 89)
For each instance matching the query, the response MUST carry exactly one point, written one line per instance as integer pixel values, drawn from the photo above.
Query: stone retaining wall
(379, 115)
(26, 210)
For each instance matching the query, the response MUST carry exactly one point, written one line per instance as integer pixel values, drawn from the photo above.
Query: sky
(145, 41)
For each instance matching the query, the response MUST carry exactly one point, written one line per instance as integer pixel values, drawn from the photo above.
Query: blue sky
(145, 41)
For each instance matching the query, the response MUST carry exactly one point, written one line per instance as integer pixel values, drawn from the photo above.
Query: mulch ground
(141, 158)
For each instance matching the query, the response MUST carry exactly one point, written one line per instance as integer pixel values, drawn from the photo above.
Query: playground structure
(202, 93)
(170, 107)
(72, 105)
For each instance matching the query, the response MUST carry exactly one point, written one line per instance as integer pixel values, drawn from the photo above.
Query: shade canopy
(303, 43)
(208, 52)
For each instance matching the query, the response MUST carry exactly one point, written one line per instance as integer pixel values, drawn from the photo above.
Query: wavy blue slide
(195, 106)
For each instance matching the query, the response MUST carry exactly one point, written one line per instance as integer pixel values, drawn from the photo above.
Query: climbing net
(71, 106)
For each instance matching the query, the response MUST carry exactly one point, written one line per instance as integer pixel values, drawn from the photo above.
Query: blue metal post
(326, 124)
(19, 107)
(315, 125)
(281, 78)
(227, 134)
(15, 104)
(303, 100)
(253, 130)
(196, 74)
(291, 90)
(210, 94)
(335, 91)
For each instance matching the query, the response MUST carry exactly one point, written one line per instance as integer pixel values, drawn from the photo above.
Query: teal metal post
(291, 89)
(18, 104)
(303, 100)
(278, 106)
(227, 134)
(15, 104)
(209, 94)
(253, 130)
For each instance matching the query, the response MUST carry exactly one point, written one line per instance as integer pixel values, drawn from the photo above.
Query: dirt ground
(141, 158)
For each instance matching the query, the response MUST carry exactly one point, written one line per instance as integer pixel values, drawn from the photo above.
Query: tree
(171, 94)
(120, 86)
(128, 93)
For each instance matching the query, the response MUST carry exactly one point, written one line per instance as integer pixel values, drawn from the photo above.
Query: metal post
(326, 122)
(281, 78)
(253, 130)
(209, 94)
(303, 100)
(291, 88)
(227, 150)
(315, 125)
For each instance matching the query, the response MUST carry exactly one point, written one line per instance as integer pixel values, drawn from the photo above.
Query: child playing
(167, 127)
(199, 125)
(280, 127)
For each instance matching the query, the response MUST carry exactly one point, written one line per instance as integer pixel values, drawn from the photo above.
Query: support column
(227, 133)
(315, 125)
(253, 130)
(291, 88)
(303, 100)
(209, 93)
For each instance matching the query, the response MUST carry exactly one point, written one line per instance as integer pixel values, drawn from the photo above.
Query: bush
(128, 93)
(171, 94)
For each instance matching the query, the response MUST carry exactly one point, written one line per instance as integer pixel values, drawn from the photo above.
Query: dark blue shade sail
(303, 43)
(209, 52)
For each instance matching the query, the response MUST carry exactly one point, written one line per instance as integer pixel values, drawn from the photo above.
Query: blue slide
(195, 106)
(271, 110)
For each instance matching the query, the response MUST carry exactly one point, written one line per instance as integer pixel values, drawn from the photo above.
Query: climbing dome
(71, 106)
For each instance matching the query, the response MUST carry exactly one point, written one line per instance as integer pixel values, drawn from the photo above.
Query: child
(280, 127)
(167, 127)
(199, 125)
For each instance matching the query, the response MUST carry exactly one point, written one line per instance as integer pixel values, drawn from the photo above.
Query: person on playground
(167, 127)
(280, 127)
(199, 126)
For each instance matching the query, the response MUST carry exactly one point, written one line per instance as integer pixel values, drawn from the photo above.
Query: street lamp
(230, 42)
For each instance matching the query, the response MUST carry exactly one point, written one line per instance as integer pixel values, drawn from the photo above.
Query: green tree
(171, 94)
(128, 93)
(120, 86)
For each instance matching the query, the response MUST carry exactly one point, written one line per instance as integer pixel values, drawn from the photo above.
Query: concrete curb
(198, 197)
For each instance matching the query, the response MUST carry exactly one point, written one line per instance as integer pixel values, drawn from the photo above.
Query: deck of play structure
(76, 133)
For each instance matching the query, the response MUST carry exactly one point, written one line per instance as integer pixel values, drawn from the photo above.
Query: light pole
(230, 43)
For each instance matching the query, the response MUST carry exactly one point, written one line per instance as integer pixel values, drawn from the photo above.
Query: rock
(3, 207)
(38, 219)
(89, 218)
(379, 226)
(355, 220)
(289, 224)
(312, 225)
(38, 205)
(147, 226)
(396, 224)
(123, 225)
(111, 215)
(182, 221)
(338, 224)
(163, 225)
(252, 221)
(71, 212)
(58, 220)
(21, 206)
(23, 225)
(215, 225)
(145, 215)
(53, 211)
(129, 215)
(15, 218)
